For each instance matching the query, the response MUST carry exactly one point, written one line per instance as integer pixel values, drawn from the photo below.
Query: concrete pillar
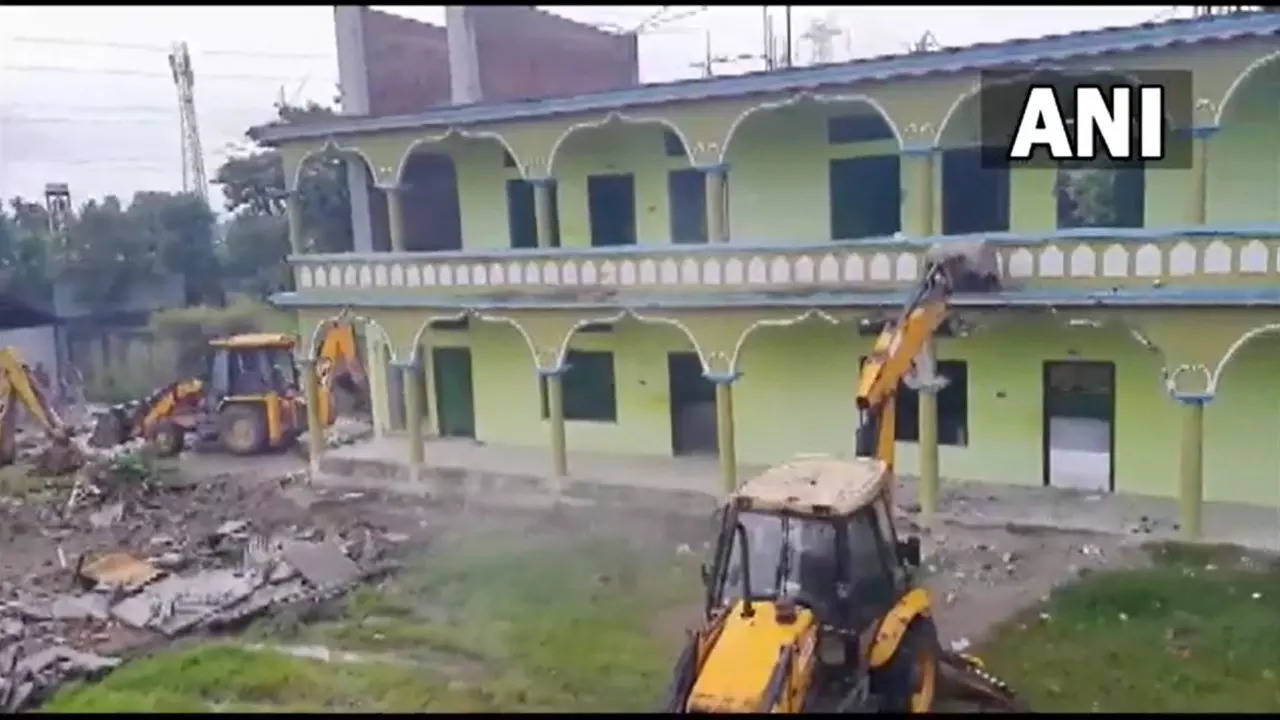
(377, 385)
(1198, 203)
(361, 221)
(464, 59)
(395, 217)
(717, 222)
(555, 416)
(293, 204)
(544, 212)
(928, 416)
(412, 374)
(1191, 470)
(315, 431)
(917, 206)
(724, 430)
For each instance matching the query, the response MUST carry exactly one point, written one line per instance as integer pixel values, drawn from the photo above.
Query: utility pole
(788, 35)
(764, 21)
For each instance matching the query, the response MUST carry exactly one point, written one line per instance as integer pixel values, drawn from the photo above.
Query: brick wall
(526, 53)
(407, 63)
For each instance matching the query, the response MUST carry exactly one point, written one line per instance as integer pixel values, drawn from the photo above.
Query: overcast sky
(87, 98)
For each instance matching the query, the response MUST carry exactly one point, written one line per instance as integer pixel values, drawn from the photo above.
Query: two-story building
(683, 267)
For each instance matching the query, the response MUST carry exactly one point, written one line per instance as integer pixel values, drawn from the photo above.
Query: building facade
(683, 268)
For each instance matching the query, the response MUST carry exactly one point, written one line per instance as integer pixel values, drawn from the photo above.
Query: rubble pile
(139, 560)
(347, 430)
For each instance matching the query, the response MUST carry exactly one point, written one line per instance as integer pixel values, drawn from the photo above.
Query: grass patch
(492, 624)
(1174, 637)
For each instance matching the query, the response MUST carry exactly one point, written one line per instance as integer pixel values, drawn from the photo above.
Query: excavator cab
(806, 569)
(250, 396)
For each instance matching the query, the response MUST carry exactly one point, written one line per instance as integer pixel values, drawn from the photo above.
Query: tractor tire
(167, 438)
(242, 430)
(909, 683)
(682, 678)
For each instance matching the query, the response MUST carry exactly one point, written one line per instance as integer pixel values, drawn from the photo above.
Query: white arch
(803, 97)
(346, 315)
(1235, 347)
(1239, 80)
(977, 88)
(331, 146)
(615, 119)
(622, 315)
(422, 330)
(783, 322)
(455, 132)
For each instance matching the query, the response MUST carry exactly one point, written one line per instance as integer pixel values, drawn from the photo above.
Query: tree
(106, 253)
(179, 228)
(254, 186)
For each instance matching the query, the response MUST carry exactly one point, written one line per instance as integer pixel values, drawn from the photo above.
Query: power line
(164, 49)
(141, 73)
(69, 119)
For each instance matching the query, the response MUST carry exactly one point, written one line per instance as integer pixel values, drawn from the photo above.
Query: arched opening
(625, 183)
(1242, 423)
(429, 201)
(333, 219)
(779, 153)
(975, 195)
(1244, 172)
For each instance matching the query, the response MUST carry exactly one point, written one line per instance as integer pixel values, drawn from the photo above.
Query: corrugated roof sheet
(983, 55)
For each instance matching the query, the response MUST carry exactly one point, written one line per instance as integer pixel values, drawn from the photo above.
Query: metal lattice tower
(193, 177)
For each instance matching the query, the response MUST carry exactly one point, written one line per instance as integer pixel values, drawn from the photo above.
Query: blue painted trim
(1118, 235)
(1203, 131)
(541, 180)
(985, 55)
(564, 367)
(722, 378)
(919, 149)
(1263, 297)
(722, 167)
(1193, 398)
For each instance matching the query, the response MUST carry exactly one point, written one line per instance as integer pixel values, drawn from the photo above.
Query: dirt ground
(977, 576)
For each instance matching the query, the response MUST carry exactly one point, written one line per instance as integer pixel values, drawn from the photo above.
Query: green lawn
(506, 624)
(1197, 631)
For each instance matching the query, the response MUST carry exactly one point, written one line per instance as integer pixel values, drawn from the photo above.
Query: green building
(683, 267)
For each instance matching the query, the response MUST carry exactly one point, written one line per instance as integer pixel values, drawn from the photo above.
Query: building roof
(820, 486)
(1146, 36)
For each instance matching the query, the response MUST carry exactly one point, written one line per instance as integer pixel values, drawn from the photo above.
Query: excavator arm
(337, 361)
(897, 350)
(17, 385)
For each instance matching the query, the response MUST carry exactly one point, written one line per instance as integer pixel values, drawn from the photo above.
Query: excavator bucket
(964, 679)
(968, 266)
(110, 428)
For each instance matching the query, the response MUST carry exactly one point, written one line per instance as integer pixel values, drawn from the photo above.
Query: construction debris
(347, 430)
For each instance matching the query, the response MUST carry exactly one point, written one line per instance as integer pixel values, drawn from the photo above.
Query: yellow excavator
(247, 401)
(18, 386)
(811, 603)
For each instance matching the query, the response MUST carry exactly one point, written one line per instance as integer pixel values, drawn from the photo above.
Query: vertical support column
(358, 191)
(1191, 470)
(555, 416)
(377, 384)
(1198, 203)
(717, 222)
(315, 431)
(412, 374)
(395, 216)
(293, 204)
(917, 208)
(927, 384)
(725, 438)
(544, 212)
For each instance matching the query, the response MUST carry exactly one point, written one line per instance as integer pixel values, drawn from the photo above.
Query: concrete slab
(508, 476)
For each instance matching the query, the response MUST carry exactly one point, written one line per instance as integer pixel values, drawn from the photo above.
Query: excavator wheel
(166, 438)
(242, 430)
(909, 683)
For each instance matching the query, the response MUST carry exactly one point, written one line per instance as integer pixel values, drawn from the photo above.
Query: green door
(452, 370)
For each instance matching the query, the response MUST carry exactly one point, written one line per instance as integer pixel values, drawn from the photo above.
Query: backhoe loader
(18, 385)
(247, 401)
(811, 603)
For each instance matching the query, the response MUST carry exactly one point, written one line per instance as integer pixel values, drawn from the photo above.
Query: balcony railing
(1086, 257)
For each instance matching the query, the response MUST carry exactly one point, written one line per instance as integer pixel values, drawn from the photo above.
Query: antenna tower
(193, 177)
